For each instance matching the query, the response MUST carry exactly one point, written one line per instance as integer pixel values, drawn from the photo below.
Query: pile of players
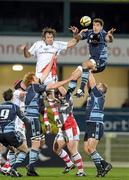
(21, 109)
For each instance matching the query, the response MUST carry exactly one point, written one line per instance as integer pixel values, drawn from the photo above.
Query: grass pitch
(54, 173)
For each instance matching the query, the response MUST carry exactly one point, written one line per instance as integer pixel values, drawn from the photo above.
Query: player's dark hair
(98, 20)
(48, 30)
(8, 94)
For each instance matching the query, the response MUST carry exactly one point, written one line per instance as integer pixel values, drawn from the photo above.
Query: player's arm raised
(59, 83)
(91, 82)
(109, 36)
(76, 37)
(25, 49)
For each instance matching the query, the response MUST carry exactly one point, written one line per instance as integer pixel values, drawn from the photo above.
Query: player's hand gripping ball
(85, 21)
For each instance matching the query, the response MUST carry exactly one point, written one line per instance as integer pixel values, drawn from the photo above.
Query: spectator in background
(125, 104)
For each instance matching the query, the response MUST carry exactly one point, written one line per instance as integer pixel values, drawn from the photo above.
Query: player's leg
(72, 146)
(6, 167)
(73, 83)
(21, 155)
(50, 95)
(35, 141)
(86, 66)
(52, 104)
(15, 140)
(1, 146)
(11, 155)
(58, 145)
(91, 139)
(11, 158)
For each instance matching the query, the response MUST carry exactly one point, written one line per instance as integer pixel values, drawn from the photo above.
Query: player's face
(97, 27)
(49, 39)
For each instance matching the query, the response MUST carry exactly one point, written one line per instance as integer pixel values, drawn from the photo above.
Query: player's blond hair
(48, 30)
(28, 78)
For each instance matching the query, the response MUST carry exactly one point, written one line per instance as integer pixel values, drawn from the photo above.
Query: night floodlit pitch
(53, 173)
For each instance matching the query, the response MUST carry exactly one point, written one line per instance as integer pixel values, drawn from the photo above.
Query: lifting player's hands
(74, 30)
(111, 31)
(24, 46)
(83, 30)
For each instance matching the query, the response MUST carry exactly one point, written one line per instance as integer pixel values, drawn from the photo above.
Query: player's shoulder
(39, 43)
(90, 30)
(55, 43)
(17, 92)
(104, 31)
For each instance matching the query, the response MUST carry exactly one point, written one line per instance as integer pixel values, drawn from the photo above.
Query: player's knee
(85, 64)
(71, 147)
(36, 143)
(42, 142)
(90, 149)
(89, 64)
(23, 148)
(56, 147)
(86, 149)
(26, 150)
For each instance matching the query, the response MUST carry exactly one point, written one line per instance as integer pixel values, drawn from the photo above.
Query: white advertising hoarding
(10, 51)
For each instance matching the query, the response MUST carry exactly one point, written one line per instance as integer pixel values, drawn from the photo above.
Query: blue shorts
(100, 65)
(13, 138)
(35, 126)
(94, 130)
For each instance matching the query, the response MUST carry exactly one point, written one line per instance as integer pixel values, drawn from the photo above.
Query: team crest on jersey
(91, 36)
(93, 135)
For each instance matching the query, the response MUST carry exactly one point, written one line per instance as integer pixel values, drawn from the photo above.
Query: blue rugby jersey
(97, 44)
(95, 105)
(8, 113)
(32, 100)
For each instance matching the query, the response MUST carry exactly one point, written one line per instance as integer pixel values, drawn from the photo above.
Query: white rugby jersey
(16, 99)
(43, 53)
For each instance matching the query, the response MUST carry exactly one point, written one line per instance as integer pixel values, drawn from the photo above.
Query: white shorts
(93, 61)
(20, 127)
(80, 68)
(49, 78)
(68, 135)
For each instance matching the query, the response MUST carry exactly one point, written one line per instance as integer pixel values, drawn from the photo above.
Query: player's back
(8, 113)
(95, 105)
(32, 99)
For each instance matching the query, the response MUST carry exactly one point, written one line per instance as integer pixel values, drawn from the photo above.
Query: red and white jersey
(69, 130)
(66, 115)
(43, 53)
(19, 124)
(17, 100)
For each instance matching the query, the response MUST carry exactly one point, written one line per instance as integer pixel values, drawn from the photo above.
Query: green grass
(54, 173)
